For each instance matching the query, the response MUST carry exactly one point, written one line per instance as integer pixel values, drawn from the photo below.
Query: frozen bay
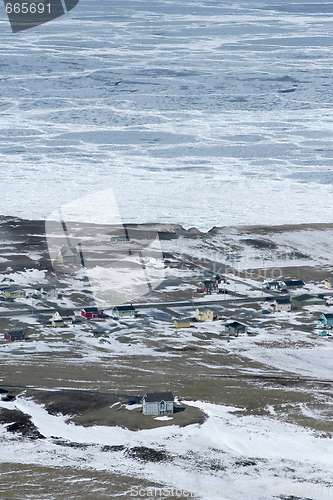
(205, 113)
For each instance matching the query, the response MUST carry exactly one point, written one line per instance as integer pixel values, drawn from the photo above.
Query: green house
(123, 311)
(307, 300)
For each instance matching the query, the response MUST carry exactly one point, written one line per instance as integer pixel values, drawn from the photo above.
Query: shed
(15, 335)
(182, 323)
(56, 323)
(326, 320)
(157, 403)
(307, 300)
(124, 311)
(235, 328)
(204, 314)
(281, 304)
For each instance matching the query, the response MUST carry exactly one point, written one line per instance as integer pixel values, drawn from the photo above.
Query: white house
(65, 315)
(47, 292)
(281, 304)
(157, 403)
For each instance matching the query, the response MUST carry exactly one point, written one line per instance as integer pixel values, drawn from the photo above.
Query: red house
(15, 335)
(91, 313)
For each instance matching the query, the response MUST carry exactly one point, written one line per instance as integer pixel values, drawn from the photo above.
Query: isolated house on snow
(157, 403)
(235, 328)
(328, 283)
(183, 323)
(68, 255)
(272, 285)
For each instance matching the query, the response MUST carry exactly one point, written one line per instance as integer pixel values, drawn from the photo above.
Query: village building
(328, 283)
(307, 300)
(66, 315)
(123, 311)
(204, 314)
(272, 285)
(326, 320)
(14, 293)
(57, 323)
(292, 284)
(15, 335)
(68, 255)
(47, 292)
(92, 313)
(184, 323)
(281, 304)
(235, 328)
(208, 286)
(157, 403)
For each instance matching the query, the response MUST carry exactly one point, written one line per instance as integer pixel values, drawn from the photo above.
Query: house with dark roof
(307, 300)
(208, 286)
(292, 284)
(281, 304)
(92, 312)
(15, 335)
(235, 328)
(326, 320)
(157, 403)
(272, 285)
(123, 311)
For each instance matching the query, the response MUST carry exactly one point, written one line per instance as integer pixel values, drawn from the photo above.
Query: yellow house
(182, 324)
(204, 314)
(14, 294)
(57, 322)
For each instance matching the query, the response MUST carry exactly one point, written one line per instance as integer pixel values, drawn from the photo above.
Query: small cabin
(328, 283)
(272, 285)
(157, 403)
(47, 292)
(57, 323)
(68, 255)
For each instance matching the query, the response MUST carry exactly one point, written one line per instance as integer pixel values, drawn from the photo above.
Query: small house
(272, 285)
(328, 283)
(15, 335)
(157, 403)
(204, 314)
(292, 284)
(235, 328)
(92, 313)
(307, 300)
(47, 292)
(68, 255)
(326, 320)
(182, 323)
(209, 286)
(123, 311)
(14, 293)
(281, 304)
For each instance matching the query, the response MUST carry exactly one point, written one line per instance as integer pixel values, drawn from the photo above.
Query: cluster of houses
(215, 285)
(233, 329)
(45, 292)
